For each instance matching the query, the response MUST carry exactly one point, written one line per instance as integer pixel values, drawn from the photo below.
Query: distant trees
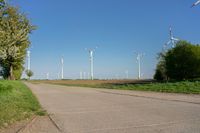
(179, 63)
(29, 73)
(14, 40)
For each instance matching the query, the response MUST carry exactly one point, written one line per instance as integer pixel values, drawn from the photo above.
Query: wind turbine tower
(127, 74)
(91, 54)
(47, 76)
(81, 75)
(139, 57)
(62, 68)
(29, 60)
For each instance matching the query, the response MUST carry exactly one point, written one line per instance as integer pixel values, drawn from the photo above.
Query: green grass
(185, 87)
(16, 103)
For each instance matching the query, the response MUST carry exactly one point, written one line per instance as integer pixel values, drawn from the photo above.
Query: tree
(29, 73)
(181, 62)
(14, 40)
(160, 73)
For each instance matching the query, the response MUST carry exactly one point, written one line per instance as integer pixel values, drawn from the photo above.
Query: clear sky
(118, 27)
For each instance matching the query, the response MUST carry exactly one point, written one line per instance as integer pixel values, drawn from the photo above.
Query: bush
(179, 63)
(160, 73)
(183, 61)
(29, 73)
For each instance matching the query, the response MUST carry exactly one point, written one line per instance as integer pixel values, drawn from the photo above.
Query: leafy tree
(14, 40)
(160, 73)
(179, 63)
(29, 73)
(183, 61)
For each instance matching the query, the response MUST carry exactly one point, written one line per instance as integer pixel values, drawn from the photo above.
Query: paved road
(86, 110)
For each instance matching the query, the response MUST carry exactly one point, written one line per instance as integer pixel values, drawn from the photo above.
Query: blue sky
(117, 27)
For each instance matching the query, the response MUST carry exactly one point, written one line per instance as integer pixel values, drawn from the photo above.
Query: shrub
(179, 63)
(183, 61)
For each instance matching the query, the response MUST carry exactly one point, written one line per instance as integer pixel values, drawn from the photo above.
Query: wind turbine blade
(168, 42)
(196, 3)
(175, 39)
(170, 32)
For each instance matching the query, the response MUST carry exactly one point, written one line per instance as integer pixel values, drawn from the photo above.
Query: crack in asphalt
(54, 123)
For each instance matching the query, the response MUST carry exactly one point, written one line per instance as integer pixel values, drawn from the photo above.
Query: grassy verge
(16, 103)
(186, 87)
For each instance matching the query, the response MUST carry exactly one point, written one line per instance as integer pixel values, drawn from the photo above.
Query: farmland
(186, 87)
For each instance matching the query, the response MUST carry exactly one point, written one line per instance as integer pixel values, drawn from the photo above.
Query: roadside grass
(16, 103)
(185, 87)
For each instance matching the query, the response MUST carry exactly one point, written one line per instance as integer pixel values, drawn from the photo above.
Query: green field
(16, 103)
(186, 87)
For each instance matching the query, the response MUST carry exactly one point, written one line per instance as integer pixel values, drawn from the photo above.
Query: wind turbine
(81, 75)
(29, 60)
(62, 68)
(84, 75)
(91, 54)
(196, 3)
(47, 76)
(172, 40)
(139, 57)
(127, 74)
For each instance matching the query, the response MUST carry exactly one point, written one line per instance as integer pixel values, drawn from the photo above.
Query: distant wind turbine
(81, 75)
(127, 74)
(62, 68)
(29, 60)
(172, 41)
(139, 57)
(47, 76)
(91, 54)
(196, 3)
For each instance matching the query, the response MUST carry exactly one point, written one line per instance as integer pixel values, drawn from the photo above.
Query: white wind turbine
(81, 75)
(28, 60)
(62, 68)
(91, 54)
(47, 75)
(127, 74)
(172, 40)
(139, 57)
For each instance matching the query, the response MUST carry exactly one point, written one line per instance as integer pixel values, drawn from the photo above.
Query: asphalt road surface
(88, 110)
